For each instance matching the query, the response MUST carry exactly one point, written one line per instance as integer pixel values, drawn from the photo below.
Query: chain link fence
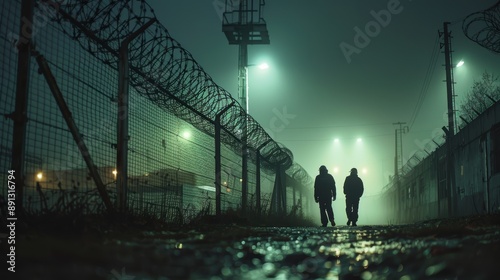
(172, 105)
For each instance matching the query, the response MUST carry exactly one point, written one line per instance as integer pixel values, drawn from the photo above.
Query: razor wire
(425, 151)
(484, 28)
(164, 72)
(299, 174)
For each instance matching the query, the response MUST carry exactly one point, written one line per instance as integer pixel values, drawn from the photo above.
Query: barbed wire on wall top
(425, 151)
(484, 28)
(164, 72)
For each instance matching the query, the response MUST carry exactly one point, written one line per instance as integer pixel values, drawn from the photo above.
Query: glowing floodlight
(264, 66)
(186, 134)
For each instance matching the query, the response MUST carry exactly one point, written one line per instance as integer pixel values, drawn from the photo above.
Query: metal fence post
(218, 169)
(257, 182)
(19, 116)
(123, 106)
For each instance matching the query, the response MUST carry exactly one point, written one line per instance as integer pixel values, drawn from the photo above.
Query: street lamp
(263, 66)
(460, 63)
(244, 97)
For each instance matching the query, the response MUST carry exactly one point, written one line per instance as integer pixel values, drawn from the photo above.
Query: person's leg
(348, 211)
(329, 211)
(355, 207)
(322, 210)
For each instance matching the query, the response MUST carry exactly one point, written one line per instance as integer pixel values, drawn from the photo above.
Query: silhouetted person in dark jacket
(353, 190)
(324, 193)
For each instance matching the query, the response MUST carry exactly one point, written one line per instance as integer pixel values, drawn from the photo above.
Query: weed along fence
(104, 111)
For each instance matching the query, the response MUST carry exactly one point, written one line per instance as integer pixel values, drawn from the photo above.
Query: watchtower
(242, 22)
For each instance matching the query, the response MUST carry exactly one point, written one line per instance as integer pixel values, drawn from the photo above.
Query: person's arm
(334, 189)
(362, 188)
(316, 198)
(345, 183)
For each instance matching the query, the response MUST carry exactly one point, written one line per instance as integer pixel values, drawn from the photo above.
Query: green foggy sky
(311, 79)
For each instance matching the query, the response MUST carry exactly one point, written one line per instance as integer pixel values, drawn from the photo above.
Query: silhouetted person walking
(353, 190)
(324, 193)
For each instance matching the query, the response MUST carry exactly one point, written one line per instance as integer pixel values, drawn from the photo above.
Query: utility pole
(449, 79)
(398, 163)
(398, 159)
(450, 132)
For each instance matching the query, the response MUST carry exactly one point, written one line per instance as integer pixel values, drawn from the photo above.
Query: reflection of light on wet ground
(352, 252)
(289, 253)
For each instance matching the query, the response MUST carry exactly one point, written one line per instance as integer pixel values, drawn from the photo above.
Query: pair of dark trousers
(351, 209)
(324, 209)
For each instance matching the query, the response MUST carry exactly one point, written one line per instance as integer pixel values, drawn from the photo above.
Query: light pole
(244, 104)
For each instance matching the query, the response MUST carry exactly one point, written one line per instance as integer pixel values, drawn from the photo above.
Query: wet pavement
(424, 251)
